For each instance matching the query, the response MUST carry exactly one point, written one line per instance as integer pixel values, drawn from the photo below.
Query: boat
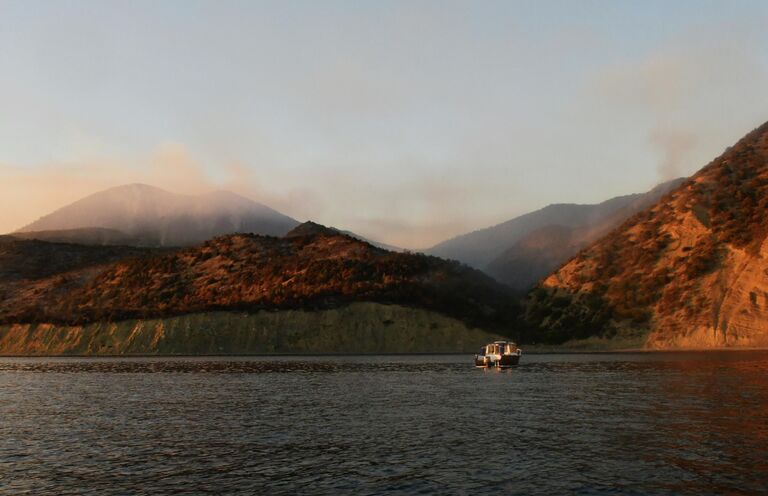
(501, 354)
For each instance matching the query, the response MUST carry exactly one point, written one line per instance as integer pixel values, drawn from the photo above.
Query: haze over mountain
(690, 272)
(146, 215)
(522, 250)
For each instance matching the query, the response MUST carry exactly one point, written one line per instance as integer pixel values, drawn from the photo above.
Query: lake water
(666, 423)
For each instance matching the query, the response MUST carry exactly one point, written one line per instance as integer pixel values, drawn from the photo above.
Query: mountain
(139, 214)
(314, 277)
(489, 249)
(689, 272)
(542, 250)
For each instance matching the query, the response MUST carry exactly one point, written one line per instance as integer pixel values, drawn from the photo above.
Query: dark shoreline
(273, 355)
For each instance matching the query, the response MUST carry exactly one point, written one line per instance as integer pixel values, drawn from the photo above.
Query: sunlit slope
(692, 271)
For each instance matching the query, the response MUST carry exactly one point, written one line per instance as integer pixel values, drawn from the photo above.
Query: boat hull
(502, 362)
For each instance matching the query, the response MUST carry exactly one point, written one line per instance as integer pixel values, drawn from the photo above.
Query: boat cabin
(500, 354)
(499, 348)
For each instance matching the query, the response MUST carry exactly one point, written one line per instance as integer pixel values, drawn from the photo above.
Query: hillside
(310, 269)
(494, 250)
(143, 215)
(690, 272)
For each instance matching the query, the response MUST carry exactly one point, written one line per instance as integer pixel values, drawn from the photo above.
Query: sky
(407, 122)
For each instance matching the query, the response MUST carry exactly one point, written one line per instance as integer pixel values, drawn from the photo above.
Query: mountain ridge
(152, 216)
(502, 250)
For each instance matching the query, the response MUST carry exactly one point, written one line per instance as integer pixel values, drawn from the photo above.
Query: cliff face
(692, 271)
(732, 306)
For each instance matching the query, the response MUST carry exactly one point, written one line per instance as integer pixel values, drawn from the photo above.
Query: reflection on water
(631, 423)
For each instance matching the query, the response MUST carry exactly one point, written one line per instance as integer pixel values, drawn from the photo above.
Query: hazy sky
(407, 122)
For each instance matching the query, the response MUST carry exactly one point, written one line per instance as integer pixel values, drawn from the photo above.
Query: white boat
(501, 354)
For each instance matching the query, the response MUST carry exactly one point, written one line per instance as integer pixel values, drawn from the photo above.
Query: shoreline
(288, 355)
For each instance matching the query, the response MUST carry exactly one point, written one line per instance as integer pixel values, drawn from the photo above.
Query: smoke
(675, 147)
(690, 97)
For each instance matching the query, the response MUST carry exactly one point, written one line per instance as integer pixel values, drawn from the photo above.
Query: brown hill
(310, 268)
(691, 271)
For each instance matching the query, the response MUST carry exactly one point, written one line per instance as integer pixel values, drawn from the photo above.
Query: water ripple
(586, 424)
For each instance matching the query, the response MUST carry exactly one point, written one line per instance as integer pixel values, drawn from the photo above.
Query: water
(674, 423)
